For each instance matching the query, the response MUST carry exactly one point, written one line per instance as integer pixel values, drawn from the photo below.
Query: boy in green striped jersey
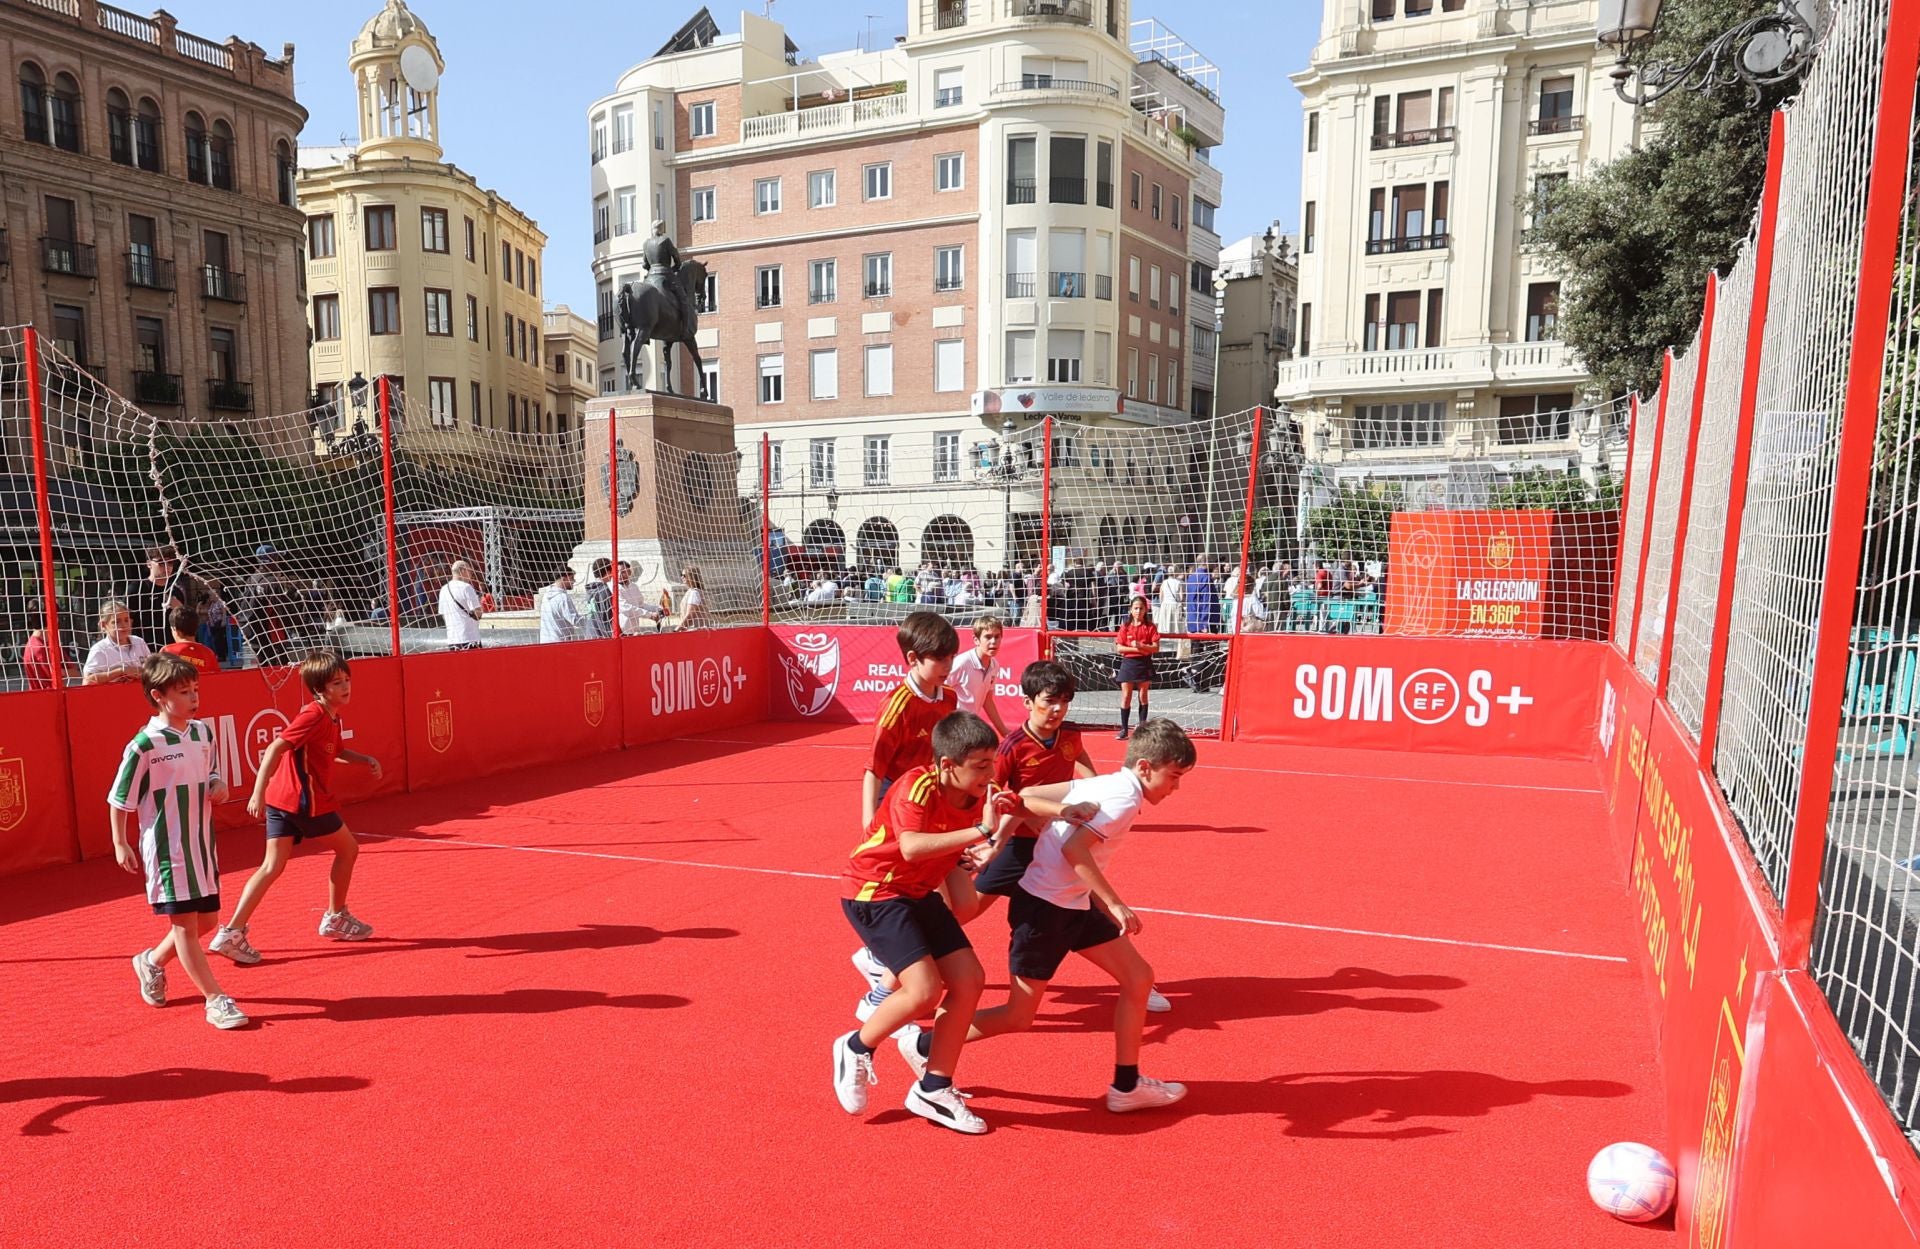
(169, 780)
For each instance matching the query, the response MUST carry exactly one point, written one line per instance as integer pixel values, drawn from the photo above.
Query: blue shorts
(301, 827)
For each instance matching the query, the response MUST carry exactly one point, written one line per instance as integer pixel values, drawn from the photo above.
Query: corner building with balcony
(416, 271)
(1427, 353)
(147, 218)
(915, 252)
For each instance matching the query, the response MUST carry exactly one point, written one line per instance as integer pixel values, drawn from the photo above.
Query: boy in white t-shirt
(1052, 910)
(971, 677)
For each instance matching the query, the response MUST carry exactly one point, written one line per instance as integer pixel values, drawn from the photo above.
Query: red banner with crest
(842, 673)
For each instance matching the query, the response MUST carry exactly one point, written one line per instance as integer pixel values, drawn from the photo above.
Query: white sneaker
(947, 1107)
(852, 1073)
(1149, 1094)
(153, 980)
(1157, 1002)
(233, 944)
(908, 1040)
(867, 965)
(342, 926)
(223, 1014)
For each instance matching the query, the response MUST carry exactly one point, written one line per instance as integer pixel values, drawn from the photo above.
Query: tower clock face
(417, 67)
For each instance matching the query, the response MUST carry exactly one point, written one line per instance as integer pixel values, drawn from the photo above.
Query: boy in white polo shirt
(972, 674)
(1052, 910)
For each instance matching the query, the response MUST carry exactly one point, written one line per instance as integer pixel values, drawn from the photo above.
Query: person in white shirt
(560, 615)
(460, 608)
(117, 656)
(826, 590)
(972, 673)
(693, 608)
(1052, 910)
(634, 607)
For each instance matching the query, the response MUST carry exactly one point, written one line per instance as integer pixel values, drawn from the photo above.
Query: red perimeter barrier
(245, 714)
(36, 788)
(681, 683)
(1778, 1136)
(842, 673)
(1453, 695)
(474, 713)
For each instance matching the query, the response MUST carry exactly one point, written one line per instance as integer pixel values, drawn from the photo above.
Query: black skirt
(1135, 669)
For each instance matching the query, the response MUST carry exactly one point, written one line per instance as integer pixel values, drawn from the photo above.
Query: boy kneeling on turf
(893, 902)
(1052, 914)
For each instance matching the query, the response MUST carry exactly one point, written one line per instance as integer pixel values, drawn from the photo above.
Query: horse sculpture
(647, 314)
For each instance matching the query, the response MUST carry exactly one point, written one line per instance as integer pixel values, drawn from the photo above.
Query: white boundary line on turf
(1410, 780)
(1144, 910)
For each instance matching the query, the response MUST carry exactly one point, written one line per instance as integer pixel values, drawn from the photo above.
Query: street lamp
(1762, 51)
(1213, 420)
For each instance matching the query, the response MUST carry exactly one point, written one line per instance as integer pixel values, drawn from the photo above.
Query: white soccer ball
(1632, 1182)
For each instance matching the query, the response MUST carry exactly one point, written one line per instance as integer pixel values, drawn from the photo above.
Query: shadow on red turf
(168, 1084)
(509, 944)
(1204, 1003)
(415, 1006)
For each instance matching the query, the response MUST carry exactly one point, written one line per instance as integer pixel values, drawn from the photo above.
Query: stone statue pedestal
(679, 502)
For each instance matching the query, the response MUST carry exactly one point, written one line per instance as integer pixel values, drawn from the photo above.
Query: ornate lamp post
(1760, 52)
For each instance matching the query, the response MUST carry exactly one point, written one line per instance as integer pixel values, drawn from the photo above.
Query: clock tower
(396, 69)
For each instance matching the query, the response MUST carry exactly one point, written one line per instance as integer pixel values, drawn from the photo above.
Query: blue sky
(514, 99)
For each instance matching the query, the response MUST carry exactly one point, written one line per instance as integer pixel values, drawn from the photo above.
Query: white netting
(1866, 953)
(1701, 563)
(1784, 527)
(1633, 518)
(1677, 427)
(706, 554)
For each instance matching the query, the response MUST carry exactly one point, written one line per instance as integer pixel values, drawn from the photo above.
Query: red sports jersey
(903, 736)
(1132, 634)
(1024, 759)
(302, 783)
(917, 804)
(194, 653)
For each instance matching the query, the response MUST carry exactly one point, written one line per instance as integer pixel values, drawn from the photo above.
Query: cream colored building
(572, 354)
(1427, 351)
(1262, 276)
(413, 269)
(904, 242)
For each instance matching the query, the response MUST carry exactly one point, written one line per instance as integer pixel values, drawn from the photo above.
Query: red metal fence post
(1853, 474)
(393, 532)
(42, 507)
(1697, 403)
(1743, 440)
(1046, 528)
(1653, 484)
(1230, 687)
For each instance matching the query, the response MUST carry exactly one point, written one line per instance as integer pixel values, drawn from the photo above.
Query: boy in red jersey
(184, 622)
(893, 902)
(294, 793)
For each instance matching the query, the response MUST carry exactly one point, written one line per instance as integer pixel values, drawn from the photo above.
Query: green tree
(1634, 240)
(1355, 524)
(1544, 488)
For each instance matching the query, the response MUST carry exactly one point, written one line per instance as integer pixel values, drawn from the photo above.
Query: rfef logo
(813, 675)
(13, 793)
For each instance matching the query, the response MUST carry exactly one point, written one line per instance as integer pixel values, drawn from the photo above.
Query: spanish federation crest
(813, 672)
(594, 702)
(1500, 550)
(13, 793)
(440, 724)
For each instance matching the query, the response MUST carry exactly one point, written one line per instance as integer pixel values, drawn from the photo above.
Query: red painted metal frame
(613, 518)
(1626, 493)
(1046, 530)
(766, 530)
(1743, 440)
(42, 508)
(1853, 473)
(387, 502)
(1653, 486)
(1697, 405)
(1230, 686)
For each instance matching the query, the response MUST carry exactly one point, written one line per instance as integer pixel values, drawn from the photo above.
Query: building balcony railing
(1103, 194)
(879, 289)
(1022, 190)
(1020, 286)
(1413, 138)
(602, 234)
(1556, 125)
(1062, 86)
(950, 18)
(1103, 286)
(1410, 243)
(158, 388)
(1072, 12)
(1067, 190)
(148, 270)
(1064, 285)
(228, 396)
(821, 295)
(944, 284)
(223, 284)
(68, 257)
(605, 325)
(826, 119)
(1425, 367)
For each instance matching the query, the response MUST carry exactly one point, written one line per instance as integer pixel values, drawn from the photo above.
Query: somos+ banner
(842, 673)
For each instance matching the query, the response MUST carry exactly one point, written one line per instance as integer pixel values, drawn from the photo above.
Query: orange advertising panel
(1469, 574)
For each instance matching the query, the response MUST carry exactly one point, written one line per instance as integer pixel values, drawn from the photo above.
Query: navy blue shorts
(1044, 934)
(1002, 876)
(301, 827)
(902, 931)
(189, 906)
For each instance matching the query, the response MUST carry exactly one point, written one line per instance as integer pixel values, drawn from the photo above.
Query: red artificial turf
(580, 1025)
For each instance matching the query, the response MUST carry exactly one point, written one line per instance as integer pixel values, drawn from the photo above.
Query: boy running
(1052, 914)
(169, 779)
(294, 793)
(893, 903)
(972, 673)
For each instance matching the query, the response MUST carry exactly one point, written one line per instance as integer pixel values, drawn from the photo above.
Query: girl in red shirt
(1137, 644)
